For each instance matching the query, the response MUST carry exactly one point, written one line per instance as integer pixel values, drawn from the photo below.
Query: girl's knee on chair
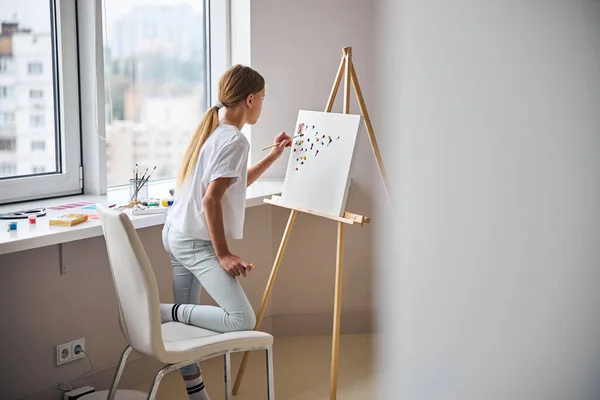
(242, 321)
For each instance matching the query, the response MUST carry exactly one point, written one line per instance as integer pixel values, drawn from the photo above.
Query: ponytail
(208, 124)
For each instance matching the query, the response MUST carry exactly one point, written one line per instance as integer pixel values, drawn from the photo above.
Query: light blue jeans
(195, 266)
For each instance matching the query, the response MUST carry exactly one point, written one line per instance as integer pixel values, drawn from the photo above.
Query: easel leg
(348, 57)
(267, 294)
(335, 345)
(336, 85)
(337, 309)
(371, 133)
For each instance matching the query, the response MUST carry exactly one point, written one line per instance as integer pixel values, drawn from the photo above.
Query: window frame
(4, 164)
(4, 64)
(35, 63)
(37, 148)
(7, 121)
(11, 147)
(37, 120)
(218, 44)
(36, 91)
(66, 93)
(7, 92)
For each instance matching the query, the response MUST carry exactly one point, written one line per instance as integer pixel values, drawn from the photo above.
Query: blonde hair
(234, 87)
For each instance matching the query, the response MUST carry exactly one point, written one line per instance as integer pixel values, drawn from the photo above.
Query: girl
(210, 205)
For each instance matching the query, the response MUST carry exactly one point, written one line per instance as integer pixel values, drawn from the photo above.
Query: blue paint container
(12, 226)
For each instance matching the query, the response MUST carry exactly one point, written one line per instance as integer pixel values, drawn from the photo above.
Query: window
(4, 62)
(43, 54)
(7, 118)
(38, 145)
(36, 120)
(156, 69)
(36, 94)
(7, 169)
(8, 144)
(35, 68)
(156, 64)
(6, 92)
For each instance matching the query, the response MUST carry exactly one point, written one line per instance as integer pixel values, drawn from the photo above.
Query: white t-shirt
(223, 155)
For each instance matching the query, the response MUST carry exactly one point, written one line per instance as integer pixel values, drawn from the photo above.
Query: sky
(35, 14)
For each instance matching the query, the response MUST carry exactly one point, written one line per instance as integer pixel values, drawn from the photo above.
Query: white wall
(297, 47)
(493, 110)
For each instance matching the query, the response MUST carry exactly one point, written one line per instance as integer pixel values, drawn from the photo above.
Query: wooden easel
(346, 66)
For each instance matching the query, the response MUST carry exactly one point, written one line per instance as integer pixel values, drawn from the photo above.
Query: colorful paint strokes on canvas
(301, 146)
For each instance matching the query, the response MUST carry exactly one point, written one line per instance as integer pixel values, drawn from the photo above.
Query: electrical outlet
(63, 353)
(74, 344)
(66, 352)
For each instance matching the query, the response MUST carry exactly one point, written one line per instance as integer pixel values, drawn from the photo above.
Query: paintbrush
(277, 144)
(142, 183)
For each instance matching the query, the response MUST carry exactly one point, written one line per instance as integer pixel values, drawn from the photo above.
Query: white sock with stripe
(195, 389)
(176, 312)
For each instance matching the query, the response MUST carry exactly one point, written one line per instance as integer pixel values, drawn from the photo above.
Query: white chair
(173, 343)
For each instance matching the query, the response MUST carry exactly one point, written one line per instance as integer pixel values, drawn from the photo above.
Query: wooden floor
(301, 372)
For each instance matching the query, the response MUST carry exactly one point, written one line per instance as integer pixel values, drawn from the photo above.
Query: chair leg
(157, 378)
(227, 365)
(118, 373)
(270, 375)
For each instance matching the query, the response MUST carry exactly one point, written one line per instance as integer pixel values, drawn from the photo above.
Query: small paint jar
(32, 219)
(12, 226)
(170, 202)
(164, 202)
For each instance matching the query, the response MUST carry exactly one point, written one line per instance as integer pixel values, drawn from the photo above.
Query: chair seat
(187, 342)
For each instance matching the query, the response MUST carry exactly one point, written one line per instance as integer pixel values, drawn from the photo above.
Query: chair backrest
(135, 284)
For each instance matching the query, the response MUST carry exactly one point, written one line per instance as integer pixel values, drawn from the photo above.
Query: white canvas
(318, 172)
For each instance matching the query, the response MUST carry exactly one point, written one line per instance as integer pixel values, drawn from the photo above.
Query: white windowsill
(42, 234)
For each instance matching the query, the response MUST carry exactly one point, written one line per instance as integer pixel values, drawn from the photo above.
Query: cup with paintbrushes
(138, 186)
